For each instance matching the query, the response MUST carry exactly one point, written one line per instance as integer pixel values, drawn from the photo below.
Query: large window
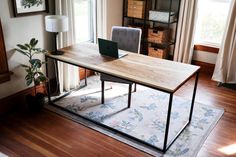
(211, 21)
(85, 21)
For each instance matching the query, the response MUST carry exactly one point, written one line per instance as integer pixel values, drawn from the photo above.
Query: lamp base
(57, 52)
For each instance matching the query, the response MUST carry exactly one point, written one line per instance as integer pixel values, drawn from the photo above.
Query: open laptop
(109, 48)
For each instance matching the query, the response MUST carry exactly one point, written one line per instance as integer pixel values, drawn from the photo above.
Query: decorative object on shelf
(33, 72)
(167, 17)
(136, 8)
(29, 7)
(158, 35)
(56, 24)
(158, 20)
(158, 52)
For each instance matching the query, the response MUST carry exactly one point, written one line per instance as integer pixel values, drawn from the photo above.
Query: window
(211, 21)
(85, 21)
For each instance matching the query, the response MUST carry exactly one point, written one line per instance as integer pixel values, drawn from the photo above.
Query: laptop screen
(108, 48)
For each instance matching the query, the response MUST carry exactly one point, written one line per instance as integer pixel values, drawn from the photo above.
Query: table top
(153, 72)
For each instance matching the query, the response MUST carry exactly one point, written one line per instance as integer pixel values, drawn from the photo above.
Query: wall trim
(205, 67)
(17, 100)
(206, 48)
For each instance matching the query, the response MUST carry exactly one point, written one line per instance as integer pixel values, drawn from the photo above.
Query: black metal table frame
(166, 145)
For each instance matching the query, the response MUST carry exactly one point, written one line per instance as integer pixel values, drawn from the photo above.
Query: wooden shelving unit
(136, 13)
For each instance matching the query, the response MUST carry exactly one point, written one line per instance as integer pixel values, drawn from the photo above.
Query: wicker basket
(157, 52)
(136, 8)
(158, 35)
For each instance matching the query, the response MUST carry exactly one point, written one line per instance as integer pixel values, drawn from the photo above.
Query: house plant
(34, 73)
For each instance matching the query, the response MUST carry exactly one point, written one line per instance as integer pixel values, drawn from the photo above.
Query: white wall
(206, 57)
(20, 30)
(114, 14)
(109, 14)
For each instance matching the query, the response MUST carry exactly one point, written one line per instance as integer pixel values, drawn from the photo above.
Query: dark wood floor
(48, 134)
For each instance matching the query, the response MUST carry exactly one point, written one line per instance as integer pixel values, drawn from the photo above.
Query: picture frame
(29, 7)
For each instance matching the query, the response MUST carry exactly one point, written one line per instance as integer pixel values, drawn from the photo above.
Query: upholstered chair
(128, 39)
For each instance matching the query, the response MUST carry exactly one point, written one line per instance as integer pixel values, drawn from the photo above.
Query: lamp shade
(56, 23)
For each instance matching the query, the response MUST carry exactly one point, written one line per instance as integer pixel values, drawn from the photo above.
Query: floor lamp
(56, 24)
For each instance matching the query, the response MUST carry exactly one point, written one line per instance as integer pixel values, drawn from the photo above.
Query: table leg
(168, 122)
(103, 90)
(48, 82)
(129, 95)
(85, 81)
(193, 98)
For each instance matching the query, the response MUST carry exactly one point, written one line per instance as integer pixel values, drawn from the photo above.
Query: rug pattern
(146, 119)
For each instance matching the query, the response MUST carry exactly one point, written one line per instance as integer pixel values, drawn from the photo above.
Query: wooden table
(160, 74)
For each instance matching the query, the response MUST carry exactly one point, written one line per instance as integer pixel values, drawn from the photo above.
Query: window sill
(206, 48)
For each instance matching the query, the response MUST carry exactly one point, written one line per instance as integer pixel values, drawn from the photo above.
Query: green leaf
(29, 81)
(36, 49)
(29, 76)
(22, 47)
(28, 46)
(36, 63)
(33, 42)
(42, 78)
(25, 66)
(29, 70)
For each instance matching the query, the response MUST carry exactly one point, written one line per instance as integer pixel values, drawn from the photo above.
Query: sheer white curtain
(225, 69)
(68, 74)
(101, 12)
(185, 32)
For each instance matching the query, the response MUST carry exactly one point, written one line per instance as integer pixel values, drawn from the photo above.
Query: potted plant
(33, 72)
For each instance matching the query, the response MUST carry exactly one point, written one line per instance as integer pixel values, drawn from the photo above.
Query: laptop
(109, 48)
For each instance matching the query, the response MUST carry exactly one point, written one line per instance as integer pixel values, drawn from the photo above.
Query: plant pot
(35, 103)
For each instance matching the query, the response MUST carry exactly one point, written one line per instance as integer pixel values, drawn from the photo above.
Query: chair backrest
(128, 38)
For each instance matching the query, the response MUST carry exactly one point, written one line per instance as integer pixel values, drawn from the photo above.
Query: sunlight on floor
(228, 150)
(3, 155)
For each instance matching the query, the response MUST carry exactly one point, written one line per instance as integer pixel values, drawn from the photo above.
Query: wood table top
(153, 72)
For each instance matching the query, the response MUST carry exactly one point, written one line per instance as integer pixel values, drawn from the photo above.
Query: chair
(128, 39)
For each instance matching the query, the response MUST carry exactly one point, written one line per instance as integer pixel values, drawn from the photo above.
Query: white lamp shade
(56, 23)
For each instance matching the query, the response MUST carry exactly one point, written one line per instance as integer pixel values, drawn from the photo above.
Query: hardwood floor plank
(49, 134)
(5, 150)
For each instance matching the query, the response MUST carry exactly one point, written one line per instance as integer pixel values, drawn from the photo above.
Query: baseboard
(17, 100)
(205, 67)
(206, 48)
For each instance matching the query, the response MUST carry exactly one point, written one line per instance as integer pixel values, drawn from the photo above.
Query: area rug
(146, 118)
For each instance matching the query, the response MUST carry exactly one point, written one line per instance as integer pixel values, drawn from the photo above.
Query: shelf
(161, 44)
(145, 23)
(163, 22)
(135, 18)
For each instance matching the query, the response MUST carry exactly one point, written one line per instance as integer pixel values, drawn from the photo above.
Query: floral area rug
(145, 119)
